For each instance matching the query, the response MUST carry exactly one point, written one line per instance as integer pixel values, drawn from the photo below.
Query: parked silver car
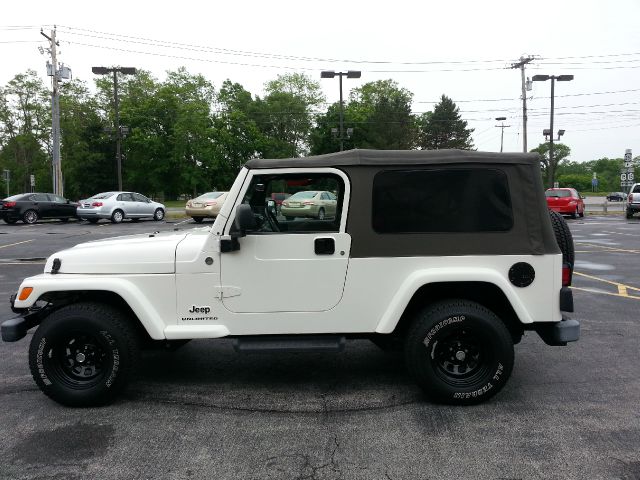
(116, 206)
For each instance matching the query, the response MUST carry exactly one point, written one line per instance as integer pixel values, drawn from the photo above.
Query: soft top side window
(456, 200)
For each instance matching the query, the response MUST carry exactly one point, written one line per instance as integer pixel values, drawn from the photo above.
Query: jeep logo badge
(204, 310)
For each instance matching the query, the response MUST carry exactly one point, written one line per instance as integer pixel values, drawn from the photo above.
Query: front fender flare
(144, 309)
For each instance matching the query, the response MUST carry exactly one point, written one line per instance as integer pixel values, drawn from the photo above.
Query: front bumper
(16, 327)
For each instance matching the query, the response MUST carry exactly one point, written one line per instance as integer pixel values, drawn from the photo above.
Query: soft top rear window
(456, 200)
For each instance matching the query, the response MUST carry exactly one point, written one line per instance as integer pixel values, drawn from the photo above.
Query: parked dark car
(30, 207)
(617, 197)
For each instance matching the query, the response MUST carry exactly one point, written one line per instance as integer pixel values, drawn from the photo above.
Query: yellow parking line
(622, 291)
(610, 282)
(17, 243)
(612, 249)
(590, 290)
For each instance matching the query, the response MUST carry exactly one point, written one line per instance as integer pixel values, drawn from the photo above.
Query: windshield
(558, 193)
(302, 195)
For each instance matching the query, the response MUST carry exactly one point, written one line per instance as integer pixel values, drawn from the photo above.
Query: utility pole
(53, 72)
(523, 61)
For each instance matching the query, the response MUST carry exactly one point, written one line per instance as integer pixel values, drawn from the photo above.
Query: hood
(146, 253)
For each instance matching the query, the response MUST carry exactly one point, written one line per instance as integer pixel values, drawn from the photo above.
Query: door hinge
(225, 292)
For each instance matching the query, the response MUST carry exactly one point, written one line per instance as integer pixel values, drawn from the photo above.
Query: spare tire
(563, 237)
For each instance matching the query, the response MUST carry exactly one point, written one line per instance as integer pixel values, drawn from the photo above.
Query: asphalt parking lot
(206, 412)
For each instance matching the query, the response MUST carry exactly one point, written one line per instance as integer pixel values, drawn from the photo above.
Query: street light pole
(118, 129)
(348, 74)
(553, 78)
(502, 126)
(117, 125)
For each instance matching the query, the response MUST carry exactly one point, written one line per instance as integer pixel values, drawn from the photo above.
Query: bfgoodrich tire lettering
(84, 354)
(459, 352)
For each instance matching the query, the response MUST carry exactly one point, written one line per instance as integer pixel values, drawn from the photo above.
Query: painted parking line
(17, 243)
(623, 289)
(183, 221)
(610, 249)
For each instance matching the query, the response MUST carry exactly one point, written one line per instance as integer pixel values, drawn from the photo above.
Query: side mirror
(244, 221)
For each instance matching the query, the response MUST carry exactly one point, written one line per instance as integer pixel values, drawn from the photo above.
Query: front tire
(629, 214)
(158, 214)
(84, 354)
(459, 352)
(30, 217)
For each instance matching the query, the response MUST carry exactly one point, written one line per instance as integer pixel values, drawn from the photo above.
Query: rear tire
(117, 216)
(30, 217)
(10, 221)
(92, 220)
(459, 352)
(83, 354)
(198, 219)
(629, 214)
(321, 214)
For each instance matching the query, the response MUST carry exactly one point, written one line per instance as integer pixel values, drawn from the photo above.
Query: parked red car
(566, 201)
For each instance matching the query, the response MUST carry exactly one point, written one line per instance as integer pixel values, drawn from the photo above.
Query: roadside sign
(33, 180)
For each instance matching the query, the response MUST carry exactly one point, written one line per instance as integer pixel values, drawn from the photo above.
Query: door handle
(324, 246)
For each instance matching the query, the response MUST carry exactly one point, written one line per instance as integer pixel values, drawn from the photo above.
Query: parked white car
(116, 206)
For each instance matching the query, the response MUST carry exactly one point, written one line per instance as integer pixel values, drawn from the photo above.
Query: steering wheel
(271, 218)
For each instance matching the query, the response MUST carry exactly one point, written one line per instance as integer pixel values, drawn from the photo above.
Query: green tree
(444, 128)
(581, 183)
(378, 112)
(86, 153)
(561, 154)
(286, 114)
(237, 137)
(25, 126)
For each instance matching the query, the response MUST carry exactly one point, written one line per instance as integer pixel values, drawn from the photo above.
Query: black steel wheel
(83, 354)
(30, 216)
(459, 352)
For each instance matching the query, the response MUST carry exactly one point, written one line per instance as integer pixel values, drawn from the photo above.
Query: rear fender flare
(419, 278)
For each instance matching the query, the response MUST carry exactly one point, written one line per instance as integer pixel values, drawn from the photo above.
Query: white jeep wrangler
(450, 255)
